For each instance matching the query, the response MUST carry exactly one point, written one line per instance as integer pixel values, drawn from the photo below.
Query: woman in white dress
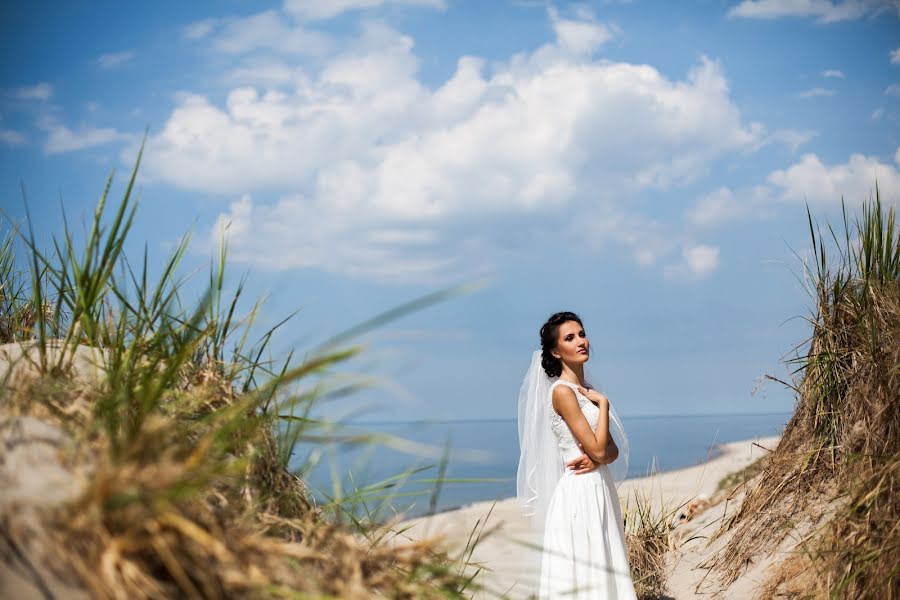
(564, 481)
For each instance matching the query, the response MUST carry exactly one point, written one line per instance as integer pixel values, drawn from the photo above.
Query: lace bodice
(568, 446)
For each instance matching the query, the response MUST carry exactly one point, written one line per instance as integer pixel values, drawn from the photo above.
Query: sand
(507, 560)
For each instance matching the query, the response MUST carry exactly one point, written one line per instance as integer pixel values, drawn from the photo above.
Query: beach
(508, 563)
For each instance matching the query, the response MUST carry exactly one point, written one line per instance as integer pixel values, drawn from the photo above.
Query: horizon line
(497, 419)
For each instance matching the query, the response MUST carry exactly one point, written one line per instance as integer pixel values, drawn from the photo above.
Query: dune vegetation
(648, 536)
(830, 491)
(148, 438)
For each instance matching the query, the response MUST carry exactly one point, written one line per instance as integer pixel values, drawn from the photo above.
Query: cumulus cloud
(582, 36)
(698, 262)
(810, 180)
(833, 73)
(824, 11)
(314, 10)
(895, 56)
(269, 30)
(610, 225)
(701, 260)
(292, 234)
(114, 59)
(61, 139)
(200, 29)
(893, 89)
(377, 171)
(723, 205)
(529, 129)
(285, 30)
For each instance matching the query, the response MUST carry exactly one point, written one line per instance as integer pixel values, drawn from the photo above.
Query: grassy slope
(184, 432)
(835, 475)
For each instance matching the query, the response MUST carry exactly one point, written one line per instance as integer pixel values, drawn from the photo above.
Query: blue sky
(645, 164)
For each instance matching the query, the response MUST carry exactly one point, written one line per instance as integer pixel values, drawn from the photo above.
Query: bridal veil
(540, 462)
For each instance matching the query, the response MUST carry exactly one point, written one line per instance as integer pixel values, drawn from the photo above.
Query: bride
(574, 506)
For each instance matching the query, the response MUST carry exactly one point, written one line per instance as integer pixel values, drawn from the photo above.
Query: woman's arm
(594, 443)
(612, 450)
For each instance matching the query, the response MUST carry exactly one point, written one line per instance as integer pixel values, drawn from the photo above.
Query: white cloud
(266, 73)
(810, 180)
(698, 262)
(817, 92)
(11, 137)
(701, 260)
(824, 11)
(114, 59)
(715, 207)
(291, 234)
(582, 36)
(611, 225)
(723, 205)
(877, 113)
(40, 91)
(61, 139)
(266, 31)
(529, 129)
(833, 73)
(792, 138)
(314, 10)
(362, 148)
(895, 56)
(893, 89)
(200, 29)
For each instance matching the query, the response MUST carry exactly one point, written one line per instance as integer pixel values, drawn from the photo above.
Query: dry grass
(648, 539)
(861, 547)
(840, 448)
(729, 484)
(172, 517)
(185, 435)
(794, 578)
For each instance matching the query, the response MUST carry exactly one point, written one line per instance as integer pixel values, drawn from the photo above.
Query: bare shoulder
(563, 397)
(563, 391)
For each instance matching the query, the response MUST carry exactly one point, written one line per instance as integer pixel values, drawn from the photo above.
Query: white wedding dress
(584, 556)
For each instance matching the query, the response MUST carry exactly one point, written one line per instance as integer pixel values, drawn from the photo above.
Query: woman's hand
(594, 396)
(582, 464)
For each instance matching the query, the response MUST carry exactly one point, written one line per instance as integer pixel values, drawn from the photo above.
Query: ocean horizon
(483, 456)
(628, 417)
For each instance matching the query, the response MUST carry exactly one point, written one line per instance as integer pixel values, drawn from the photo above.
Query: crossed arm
(598, 445)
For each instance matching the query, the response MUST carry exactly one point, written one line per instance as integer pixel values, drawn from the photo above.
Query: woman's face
(572, 345)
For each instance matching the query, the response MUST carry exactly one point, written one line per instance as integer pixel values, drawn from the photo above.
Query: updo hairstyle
(549, 334)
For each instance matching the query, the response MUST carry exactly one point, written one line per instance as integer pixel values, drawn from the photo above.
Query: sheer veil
(540, 464)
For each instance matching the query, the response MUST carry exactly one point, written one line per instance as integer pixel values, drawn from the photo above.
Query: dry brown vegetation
(833, 482)
(172, 459)
(648, 537)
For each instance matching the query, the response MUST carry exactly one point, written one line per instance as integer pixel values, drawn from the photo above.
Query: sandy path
(508, 562)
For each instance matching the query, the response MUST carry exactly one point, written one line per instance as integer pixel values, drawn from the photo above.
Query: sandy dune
(508, 561)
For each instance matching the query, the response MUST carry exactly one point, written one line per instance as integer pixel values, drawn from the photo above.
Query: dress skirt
(584, 555)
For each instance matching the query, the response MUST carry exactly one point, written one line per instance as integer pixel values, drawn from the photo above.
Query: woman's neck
(575, 373)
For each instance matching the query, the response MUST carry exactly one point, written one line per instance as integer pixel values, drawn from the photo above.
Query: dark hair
(549, 334)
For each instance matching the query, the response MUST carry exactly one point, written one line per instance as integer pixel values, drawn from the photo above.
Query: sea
(415, 468)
